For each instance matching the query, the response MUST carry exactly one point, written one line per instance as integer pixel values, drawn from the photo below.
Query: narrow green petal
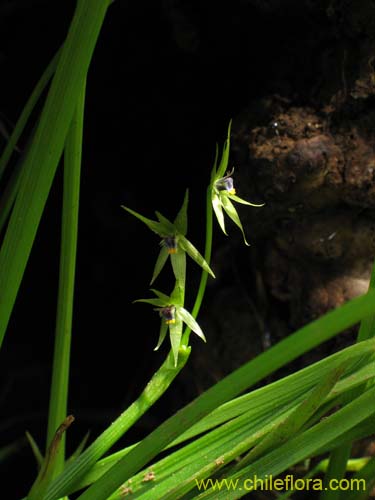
(244, 202)
(162, 296)
(190, 321)
(223, 165)
(194, 254)
(153, 302)
(213, 171)
(232, 213)
(175, 334)
(181, 222)
(178, 260)
(153, 225)
(217, 205)
(160, 262)
(168, 228)
(162, 334)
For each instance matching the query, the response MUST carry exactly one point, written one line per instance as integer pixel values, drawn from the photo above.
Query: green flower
(173, 315)
(174, 244)
(223, 191)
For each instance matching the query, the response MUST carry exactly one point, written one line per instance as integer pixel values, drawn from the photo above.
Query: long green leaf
(272, 399)
(307, 337)
(46, 149)
(157, 386)
(69, 236)
(300, 447)
(296, 419)
(26, 112)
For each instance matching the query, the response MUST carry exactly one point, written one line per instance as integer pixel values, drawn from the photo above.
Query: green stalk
(204, 274)
(69, 232)
(155, 388)
(247, 375)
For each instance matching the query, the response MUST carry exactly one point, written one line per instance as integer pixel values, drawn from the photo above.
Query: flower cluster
(175, 245)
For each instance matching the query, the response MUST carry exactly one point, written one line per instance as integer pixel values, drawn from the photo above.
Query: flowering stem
(207, 256)
(155, 388)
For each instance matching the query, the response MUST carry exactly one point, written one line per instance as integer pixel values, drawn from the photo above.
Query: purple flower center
(171, 243)
(169, 314)
(225, 184)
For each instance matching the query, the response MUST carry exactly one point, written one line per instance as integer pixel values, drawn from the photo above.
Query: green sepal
(162, 334)
(156, 227)
(213, 171)
(153, 302)
(177, 296)
(181, 221)
(218, 209)
(160, 262)
(175, 334)
(162, 296)
(167, 227)
(232, 213)
(194, 254)
(178, 261)
(244, 202)
(223, 165)
(191, 322)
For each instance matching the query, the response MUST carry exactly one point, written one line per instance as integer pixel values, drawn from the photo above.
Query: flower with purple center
(223, 191)
(174, 243)
(173, 315)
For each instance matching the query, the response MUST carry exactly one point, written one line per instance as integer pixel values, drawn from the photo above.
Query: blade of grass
(336, 470)
(176, 474)
(295, 420)
(26, 112)
(307, 337)
(366, 473)
(257, 405)
(300, 447)
(69, 232)
(48, 465)
(340, 456)
(158, 384)
(46, 149)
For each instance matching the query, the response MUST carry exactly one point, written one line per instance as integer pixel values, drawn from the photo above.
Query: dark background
(165, 79)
